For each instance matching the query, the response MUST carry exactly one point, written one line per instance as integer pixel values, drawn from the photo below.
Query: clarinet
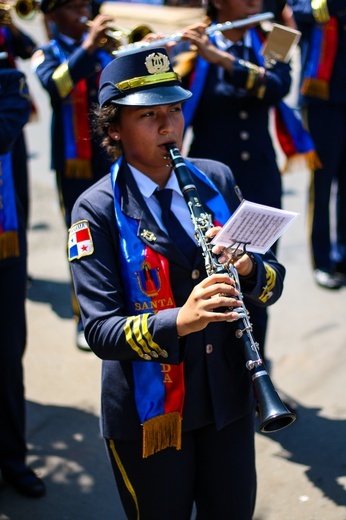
(273, 413)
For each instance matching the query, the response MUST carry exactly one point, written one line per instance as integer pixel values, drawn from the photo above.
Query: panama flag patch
(79, 240)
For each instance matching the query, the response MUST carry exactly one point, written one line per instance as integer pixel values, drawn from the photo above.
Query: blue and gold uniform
(323, 101)
(70, 75)
(132, 281)
(218, 393)
(231, 120)
(14, 113)
(15, 43)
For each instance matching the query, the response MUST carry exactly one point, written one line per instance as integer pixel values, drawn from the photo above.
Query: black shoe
(25, 482)
(326, 280)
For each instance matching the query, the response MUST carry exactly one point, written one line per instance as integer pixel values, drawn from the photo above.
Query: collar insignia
(148, 235)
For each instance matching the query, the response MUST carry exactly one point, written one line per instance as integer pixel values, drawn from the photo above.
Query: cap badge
(157, 62)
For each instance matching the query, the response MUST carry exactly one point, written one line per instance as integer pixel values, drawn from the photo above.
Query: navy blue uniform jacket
(14, 114)
(231, 125)
(14, 107)
(80, 65)
(217, 383)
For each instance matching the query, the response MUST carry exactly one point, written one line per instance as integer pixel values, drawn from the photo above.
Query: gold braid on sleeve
(320, 10)
(255, 78)
(62, 79)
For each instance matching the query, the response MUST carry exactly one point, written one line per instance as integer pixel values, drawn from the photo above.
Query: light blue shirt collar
(147, 186)
(225, 44)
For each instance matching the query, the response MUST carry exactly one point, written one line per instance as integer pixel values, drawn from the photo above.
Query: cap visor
(154, 96)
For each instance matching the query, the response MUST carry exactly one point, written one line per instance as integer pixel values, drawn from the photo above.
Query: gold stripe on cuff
(62, 79)
(251, 77)
(320, 10)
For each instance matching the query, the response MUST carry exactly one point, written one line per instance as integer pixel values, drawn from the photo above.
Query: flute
(132, 48)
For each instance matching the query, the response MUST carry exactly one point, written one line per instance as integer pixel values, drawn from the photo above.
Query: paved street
(301, 470)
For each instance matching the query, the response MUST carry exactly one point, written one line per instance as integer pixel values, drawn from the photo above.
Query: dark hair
(103, 119)
(211, 10)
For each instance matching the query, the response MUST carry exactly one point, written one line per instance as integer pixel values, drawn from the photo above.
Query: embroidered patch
(149, 280)
(79, 240)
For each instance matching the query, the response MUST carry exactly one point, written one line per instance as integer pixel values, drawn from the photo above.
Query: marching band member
(177, 400)
(14, 114)
(69, 67)
(323, 103)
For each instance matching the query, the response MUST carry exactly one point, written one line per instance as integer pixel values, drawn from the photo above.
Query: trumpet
(132, 48)
(120, 35)
(24, 9)
(274, 415)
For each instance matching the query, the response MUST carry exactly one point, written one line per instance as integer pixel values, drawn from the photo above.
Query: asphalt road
(301, 470)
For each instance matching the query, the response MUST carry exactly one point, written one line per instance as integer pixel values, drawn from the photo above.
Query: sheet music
(281, 43)
(255, 225)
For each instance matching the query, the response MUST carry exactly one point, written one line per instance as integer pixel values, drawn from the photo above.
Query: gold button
(195, 274)
(245, 156)
(243, 114)
(209, 348)
(244, 135)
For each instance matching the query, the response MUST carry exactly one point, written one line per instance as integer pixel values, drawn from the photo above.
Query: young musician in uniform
(177, 400)
(323, 103)
(14, 114)
(69, 67)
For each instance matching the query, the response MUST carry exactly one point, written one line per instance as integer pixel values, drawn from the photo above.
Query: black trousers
(21, 175)
(12, 346)
(327, 125)
(214, 469)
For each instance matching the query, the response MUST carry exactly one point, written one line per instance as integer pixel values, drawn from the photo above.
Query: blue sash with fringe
(76, 124)
(159, 387)
(9, 244)
(319, 66)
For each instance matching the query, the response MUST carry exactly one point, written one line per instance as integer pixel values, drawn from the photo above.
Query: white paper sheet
(255, 225)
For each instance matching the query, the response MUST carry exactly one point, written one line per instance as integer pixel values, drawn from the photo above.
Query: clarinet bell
(274, 415)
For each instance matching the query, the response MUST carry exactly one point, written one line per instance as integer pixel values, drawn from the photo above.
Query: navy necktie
(175, 230)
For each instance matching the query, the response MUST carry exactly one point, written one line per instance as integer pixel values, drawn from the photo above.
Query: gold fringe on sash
(78, 169)
(161, 432)
(309, 160)
(9, 244)
(313, 161)
(315, 88)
